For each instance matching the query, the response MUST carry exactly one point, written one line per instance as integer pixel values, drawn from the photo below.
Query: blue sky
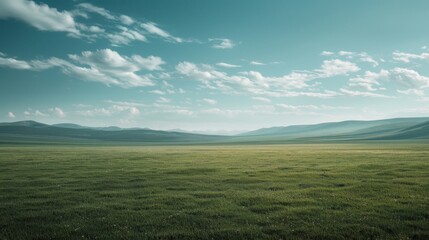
(212, 65)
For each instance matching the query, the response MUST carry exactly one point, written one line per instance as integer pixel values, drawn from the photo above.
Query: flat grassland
(361, 191)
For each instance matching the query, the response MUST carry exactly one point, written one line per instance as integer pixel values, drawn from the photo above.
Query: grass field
(215, 192)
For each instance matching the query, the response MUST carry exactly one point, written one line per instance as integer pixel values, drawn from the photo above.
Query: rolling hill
(347, 131)
(30, 131)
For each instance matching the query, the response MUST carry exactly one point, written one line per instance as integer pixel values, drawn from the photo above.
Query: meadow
(326, 191)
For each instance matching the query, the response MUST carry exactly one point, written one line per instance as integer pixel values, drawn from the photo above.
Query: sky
(219, 66)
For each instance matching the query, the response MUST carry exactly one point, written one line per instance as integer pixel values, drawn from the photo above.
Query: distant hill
(30, 131)
(347, 131)
(345, 128)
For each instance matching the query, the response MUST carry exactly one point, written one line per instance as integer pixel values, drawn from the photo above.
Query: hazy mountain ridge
(386, 129)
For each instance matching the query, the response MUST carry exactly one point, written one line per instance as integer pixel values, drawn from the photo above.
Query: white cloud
(345, 53)
(14, 63)
(40, 16)
(256, 83)
(370, 81)
(87, 7)
(159, 92)
(360, 56)
(369, 59)
(326, 53)
(126, 20)
(310, 107)
(116, 69)
(125, 36)
(412, 91)
(163, 100)
(227, 65)
(257, 63)
(353, 93)
(58, 112)
(337, 67)
(94, 112)
(407, 57)
(210, 101)
(106, 66)
(409, 78)
(154, 29)
(38, 113)
(222, 43)
(11, 115)
(262, 99)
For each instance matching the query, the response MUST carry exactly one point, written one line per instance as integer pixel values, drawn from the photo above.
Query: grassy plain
(360, 191)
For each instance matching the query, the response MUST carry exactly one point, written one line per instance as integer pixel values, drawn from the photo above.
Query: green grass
(215, 192)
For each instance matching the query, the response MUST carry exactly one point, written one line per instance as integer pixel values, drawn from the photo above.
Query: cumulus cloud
(163, 100)
(210, 101)
(256, 83)
(130, 109)
(159, 92)
(126, 20)
(154, 29)
(360, 56)
(112, 68)
(14, 63)
(58, 112)
(257, 63)
(370, 81)
(222, 43)
(11, 115)
(412, 91)
(409, 78)
(337, 67)
(326, 53)
(87, 7)
(407, 57)
(227, 65)
(40, 16)
(106, 66)
(125, 36)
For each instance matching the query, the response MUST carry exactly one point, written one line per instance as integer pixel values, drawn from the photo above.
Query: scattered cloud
(210, 101)
(337, 67)
(407, 57)
(257, 63)
(262, 99)
(310, 107)
(327, 53)
(155, 30)
(88, 7)
(227, 65)
(412, 91)
(256, 83)
(126, 20)
(58, 112)
(125, 36)
(409, 78)
(14, 63)
(106, 66)
(360, 56)
(222, 43)
(370, 81)
(159, 92)
(163, 100)
(354, 93)
(11, 115)
(40, 16)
